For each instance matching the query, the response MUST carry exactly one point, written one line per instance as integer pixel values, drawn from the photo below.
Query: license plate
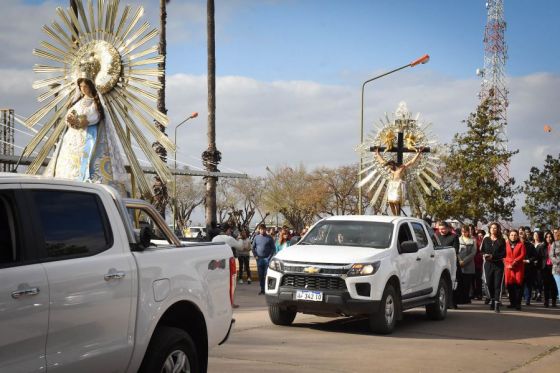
(315, 296)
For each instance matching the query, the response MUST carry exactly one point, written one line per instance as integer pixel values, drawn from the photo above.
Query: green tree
(542, 194)
(475, 186)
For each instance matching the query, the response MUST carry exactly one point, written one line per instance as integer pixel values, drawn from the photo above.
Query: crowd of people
(263, 244)
(521, 263)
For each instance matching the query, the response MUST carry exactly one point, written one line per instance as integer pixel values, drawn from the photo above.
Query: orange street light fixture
(420, 61)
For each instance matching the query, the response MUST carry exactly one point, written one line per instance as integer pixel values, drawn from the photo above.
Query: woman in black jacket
(494, 250)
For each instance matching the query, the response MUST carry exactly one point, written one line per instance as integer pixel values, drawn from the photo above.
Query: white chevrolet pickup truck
(85, 288)
(377, 266)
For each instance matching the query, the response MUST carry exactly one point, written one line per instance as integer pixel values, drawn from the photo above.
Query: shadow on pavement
(473, 321)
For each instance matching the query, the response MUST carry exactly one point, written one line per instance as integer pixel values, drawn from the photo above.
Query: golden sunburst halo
(420, 177)
(113, 47)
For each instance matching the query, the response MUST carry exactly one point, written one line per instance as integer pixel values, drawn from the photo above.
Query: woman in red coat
(514, 269)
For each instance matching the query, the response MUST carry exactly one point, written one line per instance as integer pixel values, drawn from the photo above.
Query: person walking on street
(540, 247)
(531, 260)
(448, 238)
(282, 241)
(494, 251)
(549, 285)
(514, 269)
(263, 250)
(465, 255)
(478, 261)
(555, 258)
(243, 257)
(235, 245)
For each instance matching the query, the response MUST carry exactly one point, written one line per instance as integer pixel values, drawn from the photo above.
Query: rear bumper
(334, 302)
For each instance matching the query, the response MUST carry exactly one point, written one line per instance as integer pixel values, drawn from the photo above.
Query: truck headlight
(363, 269)
(276, 265)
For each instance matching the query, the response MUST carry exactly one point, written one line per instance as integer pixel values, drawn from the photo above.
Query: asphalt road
(471, 339)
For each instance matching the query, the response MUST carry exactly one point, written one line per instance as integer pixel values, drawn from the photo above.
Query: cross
(400, 149)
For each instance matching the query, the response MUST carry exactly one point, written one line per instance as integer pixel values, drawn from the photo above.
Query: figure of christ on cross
(395, 195)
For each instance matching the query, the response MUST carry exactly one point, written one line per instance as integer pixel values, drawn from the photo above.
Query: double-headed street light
(192, 116)
(420, 61)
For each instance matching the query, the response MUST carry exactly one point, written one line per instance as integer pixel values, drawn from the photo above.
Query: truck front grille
(322, 270)
(313, 282)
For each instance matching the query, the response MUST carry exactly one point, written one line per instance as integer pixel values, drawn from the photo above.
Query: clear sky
(289, 73)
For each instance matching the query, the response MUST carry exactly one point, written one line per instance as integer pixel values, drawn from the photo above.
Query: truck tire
(383, 321)
(438, 309)
(280, 316)
(170, 350)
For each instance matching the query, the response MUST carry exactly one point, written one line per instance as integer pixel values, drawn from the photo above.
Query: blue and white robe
(89, 154)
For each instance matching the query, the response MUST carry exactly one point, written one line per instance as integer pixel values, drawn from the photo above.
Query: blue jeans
(262, 266)
(557, 279)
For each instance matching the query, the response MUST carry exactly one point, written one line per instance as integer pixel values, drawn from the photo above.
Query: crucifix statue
(405, 144)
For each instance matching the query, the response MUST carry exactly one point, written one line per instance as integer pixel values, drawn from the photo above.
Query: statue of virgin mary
(88, 150)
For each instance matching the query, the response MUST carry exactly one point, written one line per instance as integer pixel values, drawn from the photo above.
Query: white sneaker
(240, 281)
(249, 281)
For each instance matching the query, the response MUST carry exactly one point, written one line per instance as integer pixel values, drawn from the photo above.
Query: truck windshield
(350, 233)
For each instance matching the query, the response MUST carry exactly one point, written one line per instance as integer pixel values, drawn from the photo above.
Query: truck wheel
(383, 321)
(280, 316)
(170, 350)
(438, 310)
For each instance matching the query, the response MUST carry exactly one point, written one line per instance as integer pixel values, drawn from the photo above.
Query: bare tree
(340, 190)
(239, 200)
(190, 195)
(295, 194)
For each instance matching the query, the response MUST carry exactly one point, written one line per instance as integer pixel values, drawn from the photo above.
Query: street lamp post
(193, 115)
(420, 61)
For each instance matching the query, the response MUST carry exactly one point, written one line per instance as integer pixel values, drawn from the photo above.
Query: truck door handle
(418, 259)
(22, 293)
(432, 255)
(114, 276)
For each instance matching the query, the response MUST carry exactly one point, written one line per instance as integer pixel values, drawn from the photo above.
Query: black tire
(384, 320)
(170, 345)
(438, 309)
(280, 316)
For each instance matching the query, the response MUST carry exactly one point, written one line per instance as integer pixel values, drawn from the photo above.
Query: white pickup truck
(84, 287)
(362, 265)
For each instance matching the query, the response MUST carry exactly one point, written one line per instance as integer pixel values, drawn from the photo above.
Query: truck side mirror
(143, 239)
(408, 247)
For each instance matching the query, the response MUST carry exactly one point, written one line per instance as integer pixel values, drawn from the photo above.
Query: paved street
(471, 339)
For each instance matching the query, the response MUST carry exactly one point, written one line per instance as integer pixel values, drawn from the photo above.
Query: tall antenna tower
(6, 136)
(493, 86)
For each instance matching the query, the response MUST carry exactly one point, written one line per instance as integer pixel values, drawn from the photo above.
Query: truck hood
(331, 254)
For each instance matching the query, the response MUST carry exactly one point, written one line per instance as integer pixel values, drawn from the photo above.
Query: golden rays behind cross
(420, 178)
(112, 47)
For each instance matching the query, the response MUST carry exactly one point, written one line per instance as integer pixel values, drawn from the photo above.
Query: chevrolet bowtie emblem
(311, 270)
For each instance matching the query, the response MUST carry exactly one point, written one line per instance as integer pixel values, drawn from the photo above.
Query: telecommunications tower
(493, 85)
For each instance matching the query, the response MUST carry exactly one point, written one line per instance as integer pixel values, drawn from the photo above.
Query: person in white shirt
(226, 237)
